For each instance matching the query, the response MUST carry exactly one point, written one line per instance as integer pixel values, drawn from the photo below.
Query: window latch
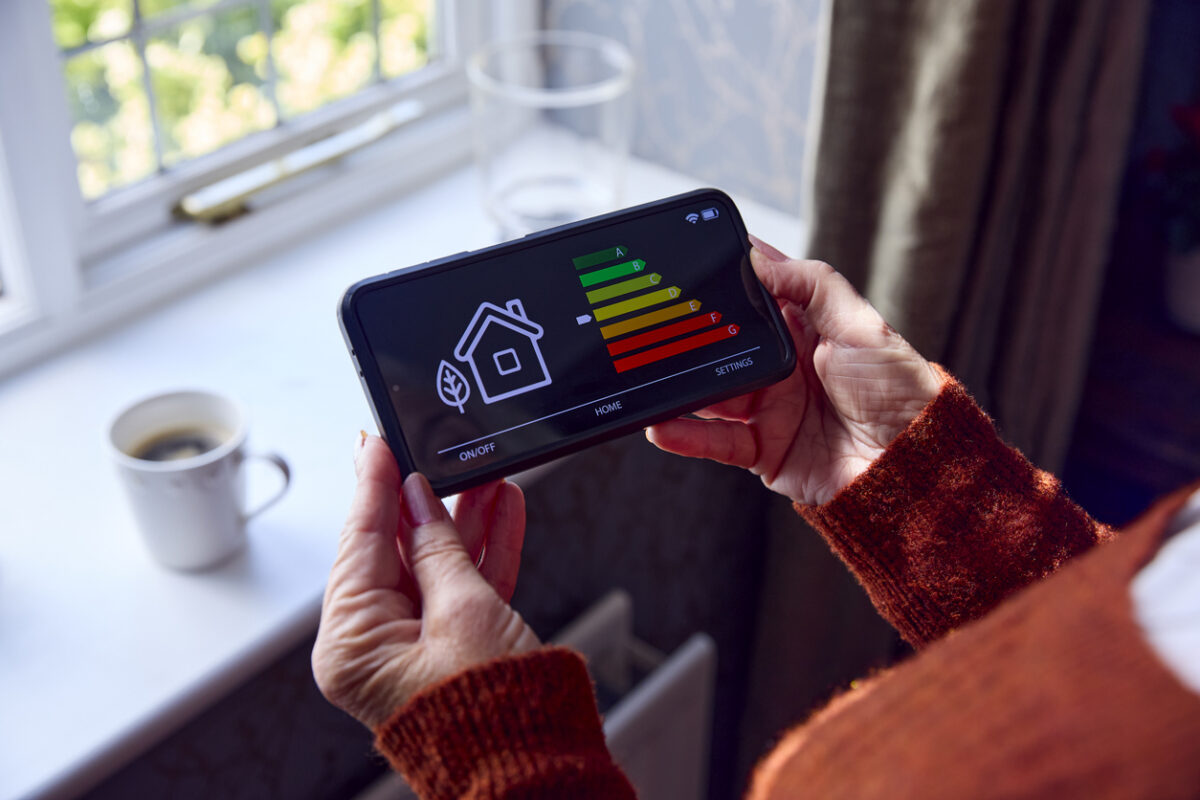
(229, 197)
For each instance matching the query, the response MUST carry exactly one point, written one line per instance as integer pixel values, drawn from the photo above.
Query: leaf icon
(452, 386)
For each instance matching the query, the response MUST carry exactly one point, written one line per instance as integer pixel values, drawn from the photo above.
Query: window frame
(75, 266)
(15, 310)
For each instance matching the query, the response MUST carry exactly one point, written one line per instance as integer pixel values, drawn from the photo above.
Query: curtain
(965, 173)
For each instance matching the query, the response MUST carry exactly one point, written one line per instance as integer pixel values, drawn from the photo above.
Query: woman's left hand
(406, 606)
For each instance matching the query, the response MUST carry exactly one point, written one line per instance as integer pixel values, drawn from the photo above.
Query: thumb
(436, 556)
(791, 279)
(829, 300)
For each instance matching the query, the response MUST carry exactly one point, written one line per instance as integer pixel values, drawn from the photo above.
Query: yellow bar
(623, 287)
(635, 303)
(646, 320)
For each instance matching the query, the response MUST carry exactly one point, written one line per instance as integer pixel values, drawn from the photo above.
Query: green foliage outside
(210, 75)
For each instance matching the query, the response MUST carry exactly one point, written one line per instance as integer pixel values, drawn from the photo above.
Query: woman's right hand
(856, 386)
(406, 605)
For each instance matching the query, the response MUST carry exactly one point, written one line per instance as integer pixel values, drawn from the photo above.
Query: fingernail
(358, 445)
(766, 249)
(420, 506)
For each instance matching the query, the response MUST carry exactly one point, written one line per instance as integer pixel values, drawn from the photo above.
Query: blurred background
(1015, 185)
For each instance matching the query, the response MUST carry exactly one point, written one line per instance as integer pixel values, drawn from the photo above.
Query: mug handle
(278, 461)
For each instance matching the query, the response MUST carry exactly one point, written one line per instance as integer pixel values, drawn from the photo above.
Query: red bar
(665, 332)
(675, 348)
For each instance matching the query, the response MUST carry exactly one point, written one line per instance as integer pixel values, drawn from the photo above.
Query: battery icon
(710, 213)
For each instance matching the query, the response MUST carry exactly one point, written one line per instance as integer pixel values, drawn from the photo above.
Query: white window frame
(71, 268)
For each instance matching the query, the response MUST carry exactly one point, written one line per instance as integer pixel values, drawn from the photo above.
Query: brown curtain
(965, 175)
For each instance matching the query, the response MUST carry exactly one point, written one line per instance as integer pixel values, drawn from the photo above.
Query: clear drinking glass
(552, 119)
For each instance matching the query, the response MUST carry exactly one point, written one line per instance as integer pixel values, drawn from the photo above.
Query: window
(118, 118)
(507, 361)
(168, 97)
(152, 84)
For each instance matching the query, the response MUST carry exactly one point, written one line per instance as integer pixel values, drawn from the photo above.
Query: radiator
(657, 708)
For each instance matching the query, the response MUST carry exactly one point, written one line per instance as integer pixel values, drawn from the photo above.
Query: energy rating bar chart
(647, 325)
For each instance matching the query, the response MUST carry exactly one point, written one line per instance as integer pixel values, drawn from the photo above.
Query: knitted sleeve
(525, 726)
(950, 520)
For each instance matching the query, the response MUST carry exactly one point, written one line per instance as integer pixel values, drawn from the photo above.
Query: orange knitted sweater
(1030, 680)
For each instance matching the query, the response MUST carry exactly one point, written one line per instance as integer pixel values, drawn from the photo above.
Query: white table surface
(103, 652)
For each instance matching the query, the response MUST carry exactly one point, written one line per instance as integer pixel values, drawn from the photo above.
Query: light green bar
(610, 273)
(600, 256)
(624, 287)
(634, 303)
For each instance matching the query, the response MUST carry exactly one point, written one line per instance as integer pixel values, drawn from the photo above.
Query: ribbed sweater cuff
(520, 724)
(950, 520)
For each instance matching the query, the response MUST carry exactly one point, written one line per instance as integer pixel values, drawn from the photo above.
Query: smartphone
(486, 363)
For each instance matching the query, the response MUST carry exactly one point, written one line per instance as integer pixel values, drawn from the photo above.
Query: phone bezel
(375, 388)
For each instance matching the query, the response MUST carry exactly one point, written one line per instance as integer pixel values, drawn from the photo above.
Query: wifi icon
(693, 218)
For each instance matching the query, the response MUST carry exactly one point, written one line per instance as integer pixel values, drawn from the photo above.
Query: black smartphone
(489, 362)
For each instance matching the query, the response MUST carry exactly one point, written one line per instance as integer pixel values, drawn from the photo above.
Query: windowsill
(104, 652)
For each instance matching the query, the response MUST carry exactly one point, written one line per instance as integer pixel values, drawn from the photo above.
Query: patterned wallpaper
(724, 86)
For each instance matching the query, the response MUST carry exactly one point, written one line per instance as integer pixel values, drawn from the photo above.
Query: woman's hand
(857, 385)
(406, 605)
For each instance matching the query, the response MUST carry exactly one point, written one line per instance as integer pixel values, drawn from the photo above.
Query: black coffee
(179, 443)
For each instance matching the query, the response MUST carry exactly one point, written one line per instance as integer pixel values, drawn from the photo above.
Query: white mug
(190, 509)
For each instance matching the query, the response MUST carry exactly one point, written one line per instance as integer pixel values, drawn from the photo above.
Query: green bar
(634, 303)
(624, 287)
(600, 256)
(615, 271)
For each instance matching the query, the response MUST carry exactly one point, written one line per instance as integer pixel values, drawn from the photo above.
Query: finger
(502, 558)
(828, 298)
(739, 408)
(727, 442)
(792, 279)
(436, 557)
(472, 514)
(766, 249)
(367, 554)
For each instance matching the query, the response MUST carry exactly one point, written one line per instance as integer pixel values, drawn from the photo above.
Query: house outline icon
(501, 347)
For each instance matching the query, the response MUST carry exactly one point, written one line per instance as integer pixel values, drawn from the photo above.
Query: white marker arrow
(583, 319)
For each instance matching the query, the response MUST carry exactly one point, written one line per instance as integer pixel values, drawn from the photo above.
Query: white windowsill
(102, 652)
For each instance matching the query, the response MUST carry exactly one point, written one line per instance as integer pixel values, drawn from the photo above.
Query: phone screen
(497, 358)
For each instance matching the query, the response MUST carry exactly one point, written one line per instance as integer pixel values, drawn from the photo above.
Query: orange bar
(653, 318)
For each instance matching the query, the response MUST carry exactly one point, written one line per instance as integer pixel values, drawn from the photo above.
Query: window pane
(112, 135)
(78, 22)
(404, 33)
(323, 49)
(208, 75)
